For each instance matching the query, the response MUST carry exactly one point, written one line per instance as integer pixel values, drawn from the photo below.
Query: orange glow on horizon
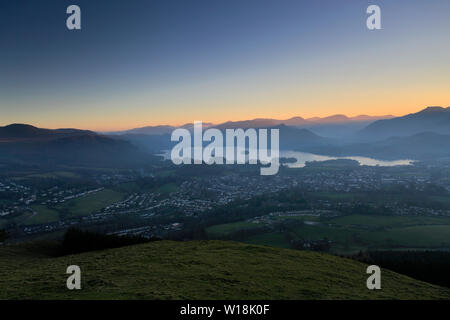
(114, 124)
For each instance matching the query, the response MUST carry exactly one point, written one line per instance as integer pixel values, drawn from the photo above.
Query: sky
(145, 62)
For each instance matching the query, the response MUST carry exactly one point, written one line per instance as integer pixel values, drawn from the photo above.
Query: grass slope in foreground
(199, 270)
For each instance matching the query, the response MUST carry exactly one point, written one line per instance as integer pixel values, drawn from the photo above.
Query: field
(165, 173)
(437, 236)
(441, 199)
(199, 270)
(269, 239)
(167, 188)
(348, 234)
(73, 208)
(42, 215)
(389, 221)
(227, 228)
(89, 204)
(49, 175)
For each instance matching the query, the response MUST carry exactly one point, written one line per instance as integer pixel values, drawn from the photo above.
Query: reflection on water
(303, 157)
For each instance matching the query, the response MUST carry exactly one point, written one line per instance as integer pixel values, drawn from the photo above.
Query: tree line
(428, 266)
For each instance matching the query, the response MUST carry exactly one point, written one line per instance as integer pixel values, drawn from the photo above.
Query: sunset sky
(138, 63)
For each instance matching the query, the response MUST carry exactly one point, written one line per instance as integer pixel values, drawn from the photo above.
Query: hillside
(24, 132)
(421, 146)
(21, 143)
(433, 119)
(199, 270)
(292, 138)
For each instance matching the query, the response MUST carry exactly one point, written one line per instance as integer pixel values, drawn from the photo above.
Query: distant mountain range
(257, 123)
(431, 119)
(155, 130)
(290, 138)
(340, 118)
(421, 135)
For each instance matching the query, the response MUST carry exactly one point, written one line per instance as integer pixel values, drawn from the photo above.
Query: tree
(3, 235)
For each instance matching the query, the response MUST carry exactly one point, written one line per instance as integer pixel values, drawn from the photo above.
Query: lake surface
(303, 157)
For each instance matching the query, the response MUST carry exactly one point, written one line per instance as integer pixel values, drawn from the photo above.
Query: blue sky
(141, 62)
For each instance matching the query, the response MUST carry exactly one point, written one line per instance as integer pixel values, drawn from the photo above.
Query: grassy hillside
(199, 270)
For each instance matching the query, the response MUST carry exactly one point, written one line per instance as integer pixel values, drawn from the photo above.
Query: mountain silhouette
(15, 132)
(431, 119)
(256, 123)
(421, 146)
(26, 144)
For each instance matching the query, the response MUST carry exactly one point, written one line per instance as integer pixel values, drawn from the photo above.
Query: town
(155, 206)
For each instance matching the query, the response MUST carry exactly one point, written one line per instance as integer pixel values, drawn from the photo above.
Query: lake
(303, 157)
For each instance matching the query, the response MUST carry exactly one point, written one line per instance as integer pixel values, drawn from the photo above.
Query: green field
(43, 215)
(16, 219)
(349, 234)
(47, 175)
(222, 230)
(89, 204)
(389, 221)
(270, 239)
(417, 236)
(334, 195)
(167, 188)
(73, 208)
(55, 175)
(336, 234)
(165, 173)
(199, 270)
(296, 218)
(440, 199)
